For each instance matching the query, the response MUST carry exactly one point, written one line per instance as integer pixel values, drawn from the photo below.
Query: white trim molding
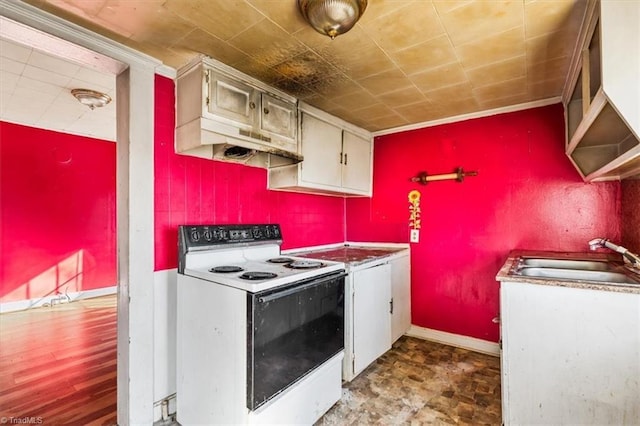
(457, 340)
(470, 116)
(21, 305)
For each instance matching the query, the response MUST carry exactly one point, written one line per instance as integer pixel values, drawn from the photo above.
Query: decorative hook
(459, 176)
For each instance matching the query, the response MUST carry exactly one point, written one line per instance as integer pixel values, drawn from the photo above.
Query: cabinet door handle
(340, 158)
(391, 306)
(252, 105)
(266, 111)
(345, 159)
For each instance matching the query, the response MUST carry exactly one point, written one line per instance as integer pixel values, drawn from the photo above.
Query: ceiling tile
(398, 29)
(546, 89)
(47, 62)
(446, 6)
(548, 70)
(16, 52)
(10, 66)
(388, 122)
(45, 75)
(390, 80)
(267, 43)
(284, 13)
(203, 42)
(430, 54)
(350, 102)
(306, 68)
(497, 72)
(222, 18)
(501, 90)
(373, 111)
(461, 91)
(550, 46)
(495, 48)
(409, 95)
(544, 16)
(437, 78)
(416, 113)
(479, 19)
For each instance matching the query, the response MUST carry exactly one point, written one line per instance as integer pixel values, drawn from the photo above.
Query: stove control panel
(200, 236)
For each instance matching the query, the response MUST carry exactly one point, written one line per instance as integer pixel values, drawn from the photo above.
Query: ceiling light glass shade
(332, 17)
(91, 98)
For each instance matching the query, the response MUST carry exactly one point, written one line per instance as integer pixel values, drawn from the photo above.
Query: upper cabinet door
(356, 173)
(321, 148)
(278, 116)
(232, 99)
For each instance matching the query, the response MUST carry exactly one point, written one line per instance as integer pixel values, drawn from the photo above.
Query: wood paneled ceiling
(404, 62)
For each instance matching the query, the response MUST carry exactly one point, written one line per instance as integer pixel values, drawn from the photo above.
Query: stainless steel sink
(586, 265)
(576, 274)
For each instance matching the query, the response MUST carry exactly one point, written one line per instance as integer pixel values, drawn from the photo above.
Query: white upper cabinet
(219, 108)
(356, 163)
(602, 105)
(337, 158)
(231, 99)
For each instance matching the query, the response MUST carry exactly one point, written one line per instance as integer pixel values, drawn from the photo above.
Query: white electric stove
(260, 335)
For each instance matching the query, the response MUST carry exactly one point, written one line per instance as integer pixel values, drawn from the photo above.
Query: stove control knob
(256, 233)
(195, 235)
(207, 235)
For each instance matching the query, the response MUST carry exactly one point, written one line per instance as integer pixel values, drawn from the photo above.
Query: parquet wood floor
(58, 364)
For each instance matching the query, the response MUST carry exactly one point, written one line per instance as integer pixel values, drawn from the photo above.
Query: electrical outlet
(414, 237)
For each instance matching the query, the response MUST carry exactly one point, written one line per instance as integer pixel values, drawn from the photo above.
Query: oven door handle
(291, 290)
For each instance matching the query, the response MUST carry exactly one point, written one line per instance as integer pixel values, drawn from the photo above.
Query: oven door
(291, 331)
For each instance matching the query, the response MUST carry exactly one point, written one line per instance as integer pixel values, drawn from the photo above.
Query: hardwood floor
(58, 364)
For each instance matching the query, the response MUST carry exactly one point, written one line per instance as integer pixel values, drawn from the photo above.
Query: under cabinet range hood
(225, 115)
(209, 139)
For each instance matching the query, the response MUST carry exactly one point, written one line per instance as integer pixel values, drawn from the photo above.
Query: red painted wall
(58, 217)
(527, 195)
(631, 215)
(195, 191)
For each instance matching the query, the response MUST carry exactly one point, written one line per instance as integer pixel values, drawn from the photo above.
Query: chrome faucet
(632, 258)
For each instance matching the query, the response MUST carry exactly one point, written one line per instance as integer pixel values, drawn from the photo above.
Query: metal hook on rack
(459, 176)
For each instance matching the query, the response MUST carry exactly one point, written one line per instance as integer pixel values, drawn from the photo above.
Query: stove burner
(280, 260)
(257, 275)
(304, 264)
(226, 269)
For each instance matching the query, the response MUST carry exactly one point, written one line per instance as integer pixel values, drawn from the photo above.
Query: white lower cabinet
(378, 311)
(400, 296)
(371, 315)
(569, 355)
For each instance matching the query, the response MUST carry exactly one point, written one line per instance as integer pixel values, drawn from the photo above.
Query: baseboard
(457, 340)
(21, 305)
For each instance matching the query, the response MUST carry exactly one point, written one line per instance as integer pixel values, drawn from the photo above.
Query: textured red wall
(193, 190)
(527, 196)
(631, 215)
(58, 217)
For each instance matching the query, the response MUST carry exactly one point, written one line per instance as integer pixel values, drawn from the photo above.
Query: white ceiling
(35, 90)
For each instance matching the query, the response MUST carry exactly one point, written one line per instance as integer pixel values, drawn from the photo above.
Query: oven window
(290, 332)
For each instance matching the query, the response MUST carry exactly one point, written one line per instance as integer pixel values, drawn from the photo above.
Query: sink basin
(586, 265)
(577, 274)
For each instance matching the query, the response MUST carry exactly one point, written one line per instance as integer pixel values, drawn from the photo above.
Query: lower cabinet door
(371, 315)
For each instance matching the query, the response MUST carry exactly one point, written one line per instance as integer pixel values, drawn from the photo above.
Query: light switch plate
(414, 237)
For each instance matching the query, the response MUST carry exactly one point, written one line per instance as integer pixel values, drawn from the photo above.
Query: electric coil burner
(280, 260)
(225, 269)
(257, 333)
(304, 264)
(257, 275)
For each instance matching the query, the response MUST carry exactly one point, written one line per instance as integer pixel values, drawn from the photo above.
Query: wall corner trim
(457, 340)
(470, 116)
